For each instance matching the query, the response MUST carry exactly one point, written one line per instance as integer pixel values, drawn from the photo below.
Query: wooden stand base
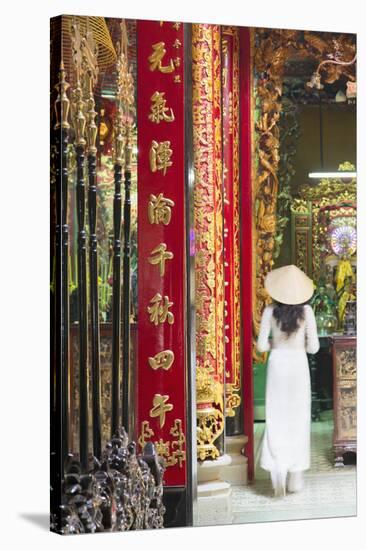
(339, 452)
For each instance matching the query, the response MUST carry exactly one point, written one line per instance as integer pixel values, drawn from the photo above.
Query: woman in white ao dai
(286, 445)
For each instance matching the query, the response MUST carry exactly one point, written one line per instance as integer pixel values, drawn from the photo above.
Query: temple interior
(195, 159)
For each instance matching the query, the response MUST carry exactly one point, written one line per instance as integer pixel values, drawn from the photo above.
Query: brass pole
(62, 106)
(79, 123)
(89, 58)
(116, 312)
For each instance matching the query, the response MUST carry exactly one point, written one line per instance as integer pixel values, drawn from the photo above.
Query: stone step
(235, 443)
(213, 489)
(237, 472)
(209, 470)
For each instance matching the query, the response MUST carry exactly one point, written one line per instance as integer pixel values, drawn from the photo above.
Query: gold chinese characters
(160, 408)
(159, 256)
(173, 451)
(160, 209)
(155, 59)
(162, 109)
(146, 433)
(162, 360)
(158, 110)
(160, 156)
(159, 310)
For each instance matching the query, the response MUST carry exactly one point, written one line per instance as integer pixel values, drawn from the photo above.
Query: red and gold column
(247, 168)
(162, 393)
(230, 132)
(208, 225)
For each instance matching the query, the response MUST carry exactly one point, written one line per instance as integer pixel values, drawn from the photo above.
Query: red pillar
(246, 239)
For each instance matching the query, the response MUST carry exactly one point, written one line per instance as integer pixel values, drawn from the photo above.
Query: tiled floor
(328, 491)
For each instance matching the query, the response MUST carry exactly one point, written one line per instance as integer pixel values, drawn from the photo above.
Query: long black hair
(288, 317)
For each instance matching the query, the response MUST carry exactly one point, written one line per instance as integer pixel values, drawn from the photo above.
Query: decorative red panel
(161, 400)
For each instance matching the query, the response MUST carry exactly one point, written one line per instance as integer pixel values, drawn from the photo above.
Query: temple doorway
(316, 230)
(301, 170)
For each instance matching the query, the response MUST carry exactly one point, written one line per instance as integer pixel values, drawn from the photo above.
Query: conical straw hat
(289, 285)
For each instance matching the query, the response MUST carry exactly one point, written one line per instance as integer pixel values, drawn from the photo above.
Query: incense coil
(106, 52)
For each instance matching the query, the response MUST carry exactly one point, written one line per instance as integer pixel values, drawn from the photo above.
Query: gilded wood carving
(208, 223)
(230, 114)
(331, 202)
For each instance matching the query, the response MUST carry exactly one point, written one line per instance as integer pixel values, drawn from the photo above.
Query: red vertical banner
(161, 396)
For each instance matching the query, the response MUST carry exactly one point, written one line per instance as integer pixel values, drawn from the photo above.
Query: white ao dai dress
(286, 443)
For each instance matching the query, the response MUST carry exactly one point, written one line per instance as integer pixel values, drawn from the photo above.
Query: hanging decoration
(161, 406)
